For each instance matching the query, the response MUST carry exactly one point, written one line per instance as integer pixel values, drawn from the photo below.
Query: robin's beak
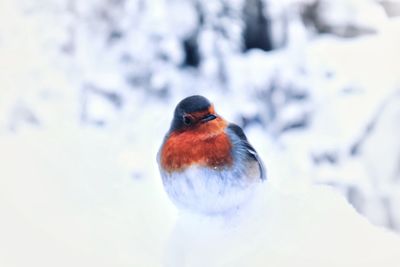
(209, 117)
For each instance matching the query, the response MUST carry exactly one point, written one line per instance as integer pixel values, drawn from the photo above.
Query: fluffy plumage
(207, 164)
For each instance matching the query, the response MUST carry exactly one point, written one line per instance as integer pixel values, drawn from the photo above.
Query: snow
(79, 183)
(68, 199)
(321, 229)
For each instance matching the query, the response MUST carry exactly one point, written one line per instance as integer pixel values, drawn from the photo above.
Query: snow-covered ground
(68, 199)
(79, 133)
(308, 227)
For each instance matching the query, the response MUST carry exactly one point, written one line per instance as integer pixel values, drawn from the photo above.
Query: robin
(207, 164)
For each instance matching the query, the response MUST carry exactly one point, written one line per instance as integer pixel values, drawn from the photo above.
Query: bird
(206, 163)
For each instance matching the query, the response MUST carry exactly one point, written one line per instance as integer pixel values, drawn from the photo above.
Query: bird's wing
(250, 151)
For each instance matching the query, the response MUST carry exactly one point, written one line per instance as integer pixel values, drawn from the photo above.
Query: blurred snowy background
(87, 90)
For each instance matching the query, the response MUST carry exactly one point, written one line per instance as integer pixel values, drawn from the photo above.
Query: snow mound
(311, 227)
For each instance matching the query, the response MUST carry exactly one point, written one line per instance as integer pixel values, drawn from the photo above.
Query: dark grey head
(191, 111)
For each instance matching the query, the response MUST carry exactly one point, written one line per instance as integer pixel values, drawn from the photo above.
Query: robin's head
(192, 112)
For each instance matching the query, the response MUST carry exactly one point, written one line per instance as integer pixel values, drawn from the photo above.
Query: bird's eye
(187, 120)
